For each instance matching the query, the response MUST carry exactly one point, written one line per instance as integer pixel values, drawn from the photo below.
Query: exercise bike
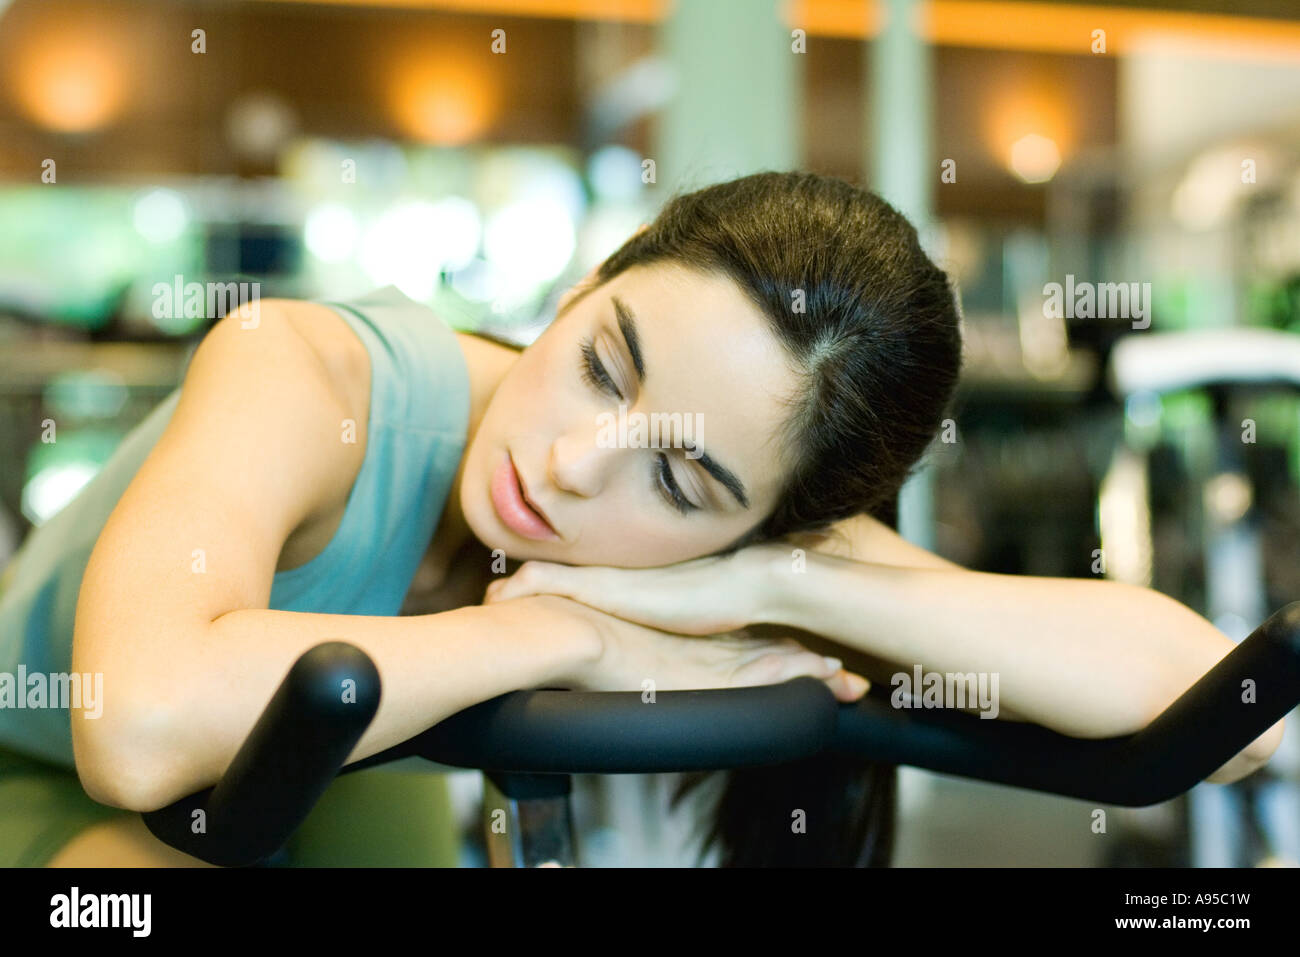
(1256, 820)
(528, 744)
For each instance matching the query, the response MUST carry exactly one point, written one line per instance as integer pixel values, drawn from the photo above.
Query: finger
(531, 578)
(847, 686)
(503, 590)
(770, 646)
(777, 666)
(750, 650)
(789, 646)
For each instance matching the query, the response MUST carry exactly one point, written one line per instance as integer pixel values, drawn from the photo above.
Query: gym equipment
(1225, 365)
(528, 743)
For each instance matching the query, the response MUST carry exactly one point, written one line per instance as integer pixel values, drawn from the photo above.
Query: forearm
(1085, 658)
(206, 693)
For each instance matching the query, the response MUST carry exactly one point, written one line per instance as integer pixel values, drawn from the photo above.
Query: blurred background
(321, 149)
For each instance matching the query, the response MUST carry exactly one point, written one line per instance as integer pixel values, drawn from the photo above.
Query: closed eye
(668, 483)
(594, 372)
(597, 376)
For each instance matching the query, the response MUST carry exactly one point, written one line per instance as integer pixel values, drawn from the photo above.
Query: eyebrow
(627, 326)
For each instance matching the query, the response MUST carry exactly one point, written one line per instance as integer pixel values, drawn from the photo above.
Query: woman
(319, 460)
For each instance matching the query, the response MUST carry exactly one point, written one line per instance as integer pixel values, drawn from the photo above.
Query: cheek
(524, 400)
(645, 534)
(538, 386)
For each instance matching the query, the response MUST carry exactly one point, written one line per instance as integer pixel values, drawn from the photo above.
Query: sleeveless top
(419, 415)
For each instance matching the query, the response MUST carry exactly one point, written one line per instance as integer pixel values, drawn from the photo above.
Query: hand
(629, 654)
(703, 596)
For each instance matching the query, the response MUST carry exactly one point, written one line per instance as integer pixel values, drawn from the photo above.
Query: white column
(901, 169)
(735, 107)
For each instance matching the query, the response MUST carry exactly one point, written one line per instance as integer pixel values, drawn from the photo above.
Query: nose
(578, 464)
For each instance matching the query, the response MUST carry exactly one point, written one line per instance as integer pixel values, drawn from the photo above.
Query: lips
(512, 507)
(530, 503)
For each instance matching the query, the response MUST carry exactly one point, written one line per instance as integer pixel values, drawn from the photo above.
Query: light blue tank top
(419, 414)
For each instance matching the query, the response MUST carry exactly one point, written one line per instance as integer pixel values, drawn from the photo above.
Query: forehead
(709, 350)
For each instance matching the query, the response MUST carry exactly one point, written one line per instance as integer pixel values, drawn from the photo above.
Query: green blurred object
(1170, 305)
(57, 470)
(375, 818)
(1187, 423)
(44, 228)
(86, 394)
(1275, 416)
(1287, 314)
(42, 807)
(380, 817)
(1275, 303)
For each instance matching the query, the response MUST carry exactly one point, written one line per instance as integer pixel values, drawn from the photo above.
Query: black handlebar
(291, 756)
(576, 732)
(331, 694)
(1202, 730)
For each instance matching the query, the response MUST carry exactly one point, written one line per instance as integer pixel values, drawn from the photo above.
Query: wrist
(561, 648)
(779, 576)
(806, 589)
(574, 644)
(579, 660)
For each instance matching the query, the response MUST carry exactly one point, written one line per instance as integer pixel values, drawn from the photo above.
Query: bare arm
(1087, 658)
(867, 539)
(173, 603)
(216, 681)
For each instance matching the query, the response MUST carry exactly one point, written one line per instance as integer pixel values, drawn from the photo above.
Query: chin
(482, 520)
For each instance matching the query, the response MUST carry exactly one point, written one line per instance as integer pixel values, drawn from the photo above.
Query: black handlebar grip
(1216, 718)
(311, 726)
(1196, 735)
(297, 747)
(617, 732)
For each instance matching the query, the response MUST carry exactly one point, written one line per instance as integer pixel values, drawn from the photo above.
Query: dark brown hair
(872, 326)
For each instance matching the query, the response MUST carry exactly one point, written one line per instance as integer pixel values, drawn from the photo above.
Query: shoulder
(340, 354)
(486, 352)
(340, 368)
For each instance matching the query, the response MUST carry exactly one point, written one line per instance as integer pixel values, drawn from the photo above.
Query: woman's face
(637, 488)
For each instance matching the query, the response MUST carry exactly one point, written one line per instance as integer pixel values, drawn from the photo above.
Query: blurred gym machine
(1209, 489)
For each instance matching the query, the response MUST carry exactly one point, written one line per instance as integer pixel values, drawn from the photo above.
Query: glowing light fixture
(531, 240)
(442, 96)
(53, 487)
(330, 232)
(160, 215)
(1034, 158)
(1213, 183)
(456, 232)
(615, 173)
(68, 82)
